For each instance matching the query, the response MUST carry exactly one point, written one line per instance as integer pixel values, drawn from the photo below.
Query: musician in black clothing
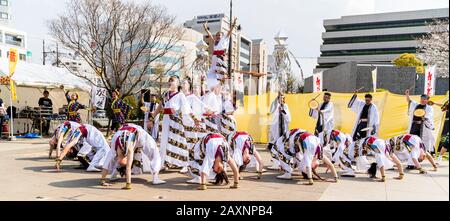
(46, 103)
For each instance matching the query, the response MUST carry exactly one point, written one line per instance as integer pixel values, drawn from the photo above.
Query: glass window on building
(22, 57)
(4, 15)
(4, 2)
(1, 53)
(14, 40)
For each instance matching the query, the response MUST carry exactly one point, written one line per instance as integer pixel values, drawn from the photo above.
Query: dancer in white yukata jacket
(95, 148)
(300, 149)
(384, 160)
(133, 151)
(410, 148)
(367, 119)
(194, 129)
(211, 155)
(92, 146)
(339, 142)
(213, 101)
(244, 152)
(422, 126)
(325, 118)
(228, 123)
(281, 118)
(68, 137)
(219, 66)
(174, 150)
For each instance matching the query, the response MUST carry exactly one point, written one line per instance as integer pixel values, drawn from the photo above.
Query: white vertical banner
(99, 97)
(375, 78)
(318, 82)
(430, 80)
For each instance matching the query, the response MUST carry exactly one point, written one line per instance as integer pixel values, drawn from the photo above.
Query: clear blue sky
(301, 20)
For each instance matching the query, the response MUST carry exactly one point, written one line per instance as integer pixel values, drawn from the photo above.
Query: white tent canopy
(40, 76)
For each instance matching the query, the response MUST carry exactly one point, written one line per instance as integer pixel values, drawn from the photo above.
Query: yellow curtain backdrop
(253, 116)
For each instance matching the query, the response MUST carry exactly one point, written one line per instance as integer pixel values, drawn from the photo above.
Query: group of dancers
(292, 149)
(199, 137)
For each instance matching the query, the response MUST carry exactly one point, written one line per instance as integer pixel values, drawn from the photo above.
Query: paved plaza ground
(27, 174)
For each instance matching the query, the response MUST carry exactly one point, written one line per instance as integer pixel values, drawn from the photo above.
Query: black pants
(45, 127)
(416, 129)
(358, 133)
(1, 126)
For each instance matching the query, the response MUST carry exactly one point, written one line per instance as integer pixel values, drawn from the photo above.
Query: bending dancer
(244, 152)
(410, 148)
(300, 149)
(133, 151)
(209, 158)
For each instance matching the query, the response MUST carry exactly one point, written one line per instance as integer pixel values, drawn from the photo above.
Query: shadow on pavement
(51, 169)
(36, 159)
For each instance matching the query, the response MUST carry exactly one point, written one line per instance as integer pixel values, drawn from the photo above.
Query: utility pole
(43, 52)
(230, 56)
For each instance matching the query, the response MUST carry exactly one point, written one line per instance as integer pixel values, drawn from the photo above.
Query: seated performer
(209, 158)
(410, 148)
(300, 149)
(243, 151)
(367, 121)
(133, 151)
(90, 143)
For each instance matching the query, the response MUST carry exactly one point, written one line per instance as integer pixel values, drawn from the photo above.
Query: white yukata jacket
(180, 105)
(211, 147)
(274, 133)
(215, 105)
(428, 138)
(198, 108)
(150, 157)
(238, 141)
(374, 119)
(328, 116)
(95, 140)
(380, 150)
(280, 151)
(345, 140)
(228, 122)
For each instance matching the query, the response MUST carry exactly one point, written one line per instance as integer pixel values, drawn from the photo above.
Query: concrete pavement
(27, 174)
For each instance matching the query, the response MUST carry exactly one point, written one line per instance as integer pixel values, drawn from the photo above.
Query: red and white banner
(430, 80)
(318, 82)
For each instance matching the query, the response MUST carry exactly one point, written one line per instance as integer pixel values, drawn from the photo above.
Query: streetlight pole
(230, 56)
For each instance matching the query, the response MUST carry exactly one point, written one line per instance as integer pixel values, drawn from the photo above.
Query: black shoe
(411, 167)
(269, 147)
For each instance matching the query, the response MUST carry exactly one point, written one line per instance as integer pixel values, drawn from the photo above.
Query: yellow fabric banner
(254, 117)
(13, 58)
